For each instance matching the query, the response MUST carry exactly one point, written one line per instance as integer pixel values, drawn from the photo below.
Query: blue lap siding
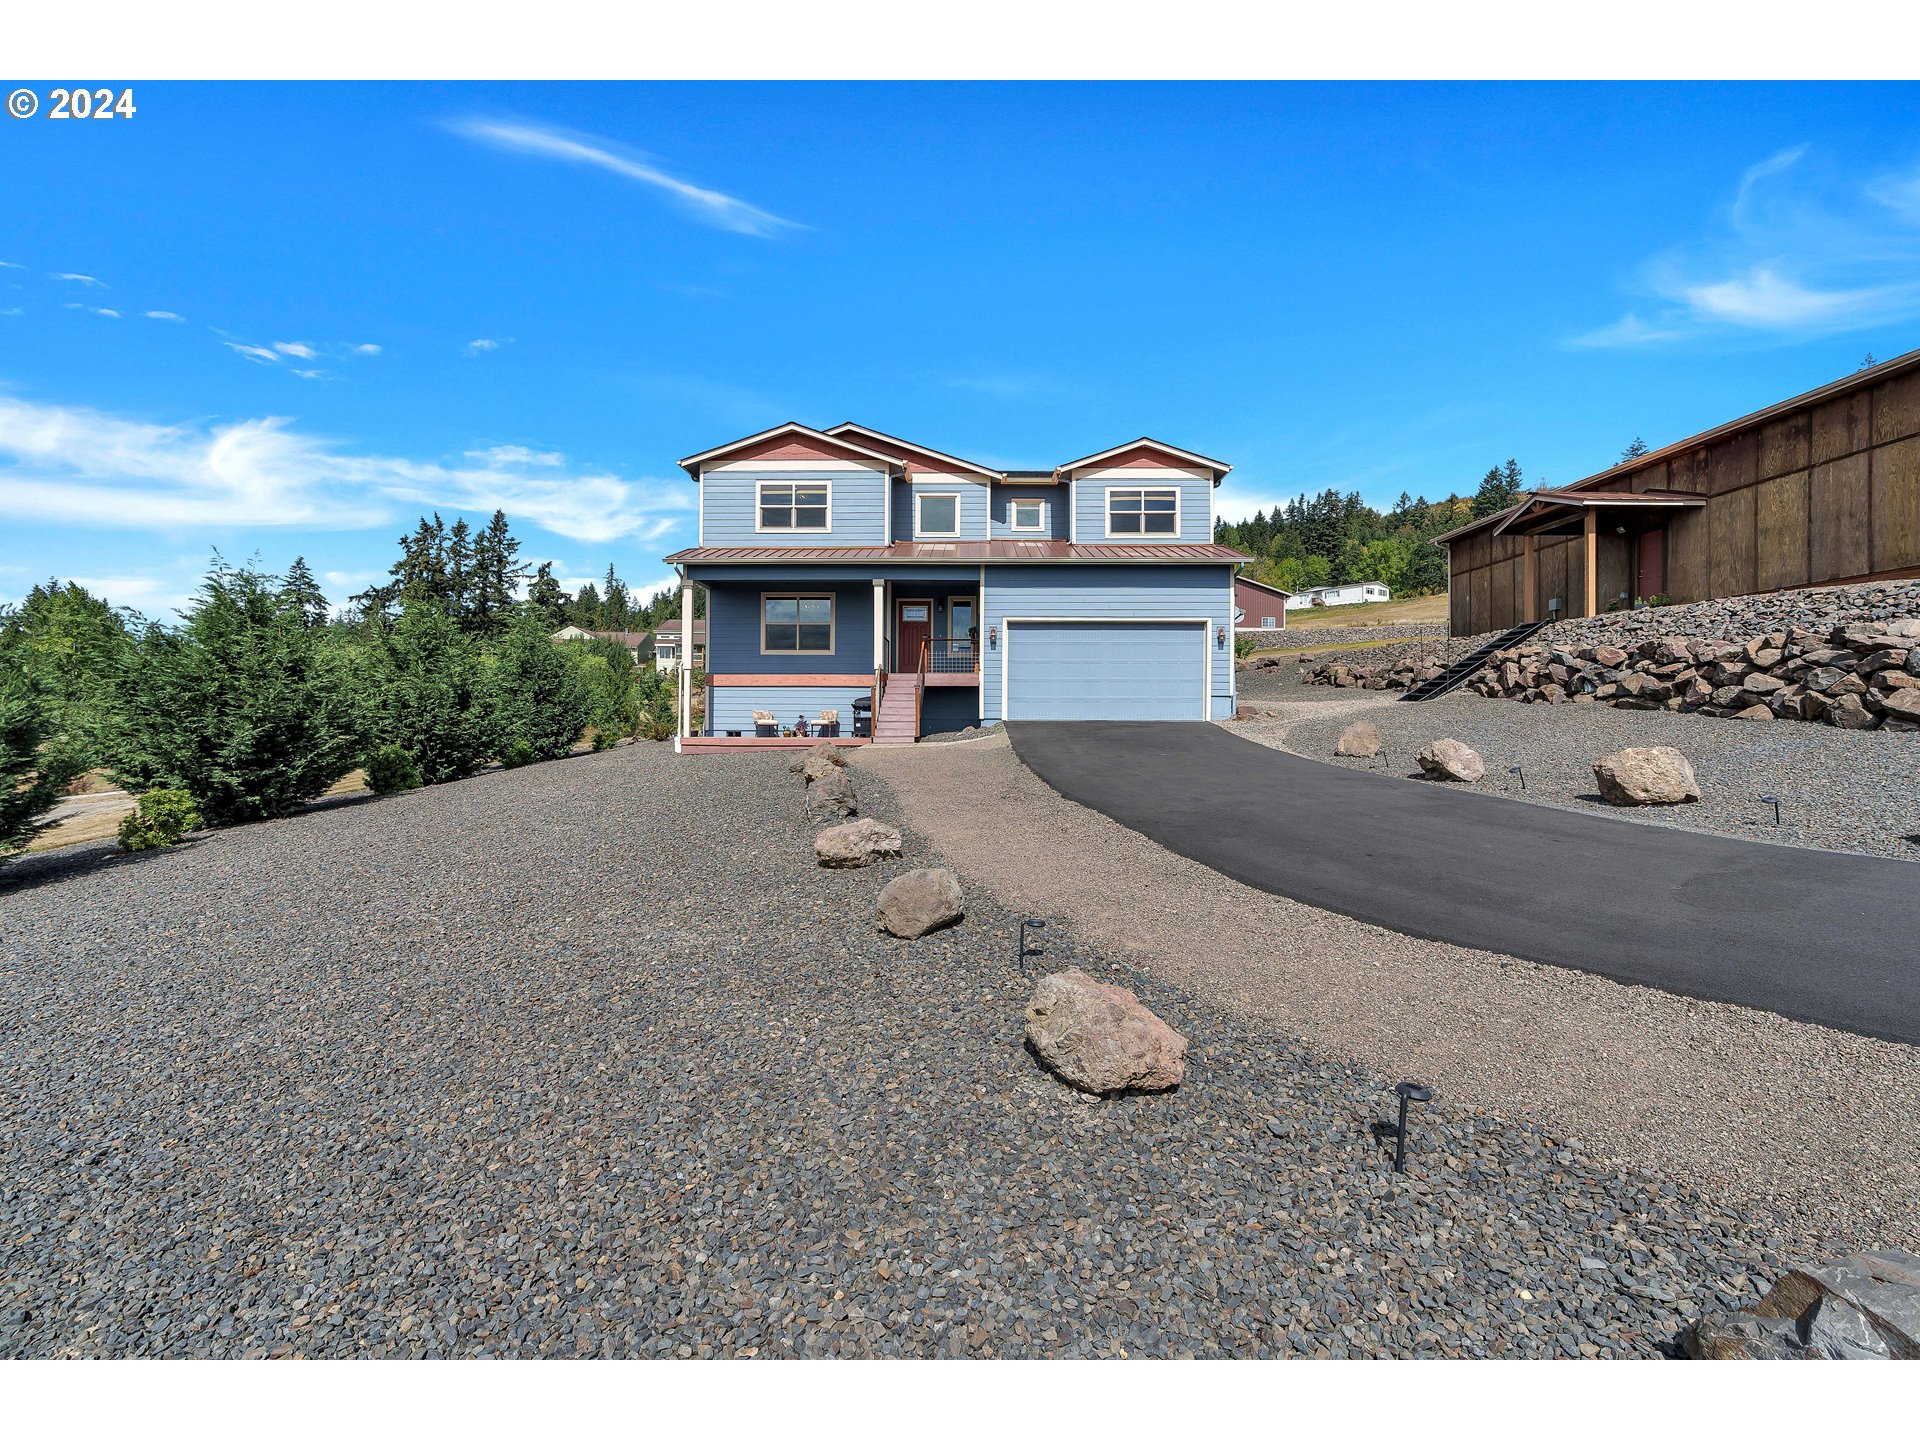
(731, 707)
(728, 509)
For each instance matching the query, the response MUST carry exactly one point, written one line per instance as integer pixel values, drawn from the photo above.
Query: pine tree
(460, 577)
(239, 707)
(301, 593)
(1634, 451)
(497, 574)
(34, 767)
(585, 610)
(1499, 489)
(546, 599)
(433, 700)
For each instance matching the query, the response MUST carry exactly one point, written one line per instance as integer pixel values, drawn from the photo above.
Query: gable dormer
(1144, 492)
(938, 496)
(793, 485)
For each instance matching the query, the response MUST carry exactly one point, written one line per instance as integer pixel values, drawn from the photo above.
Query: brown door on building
(914, 629)
(1650, 565)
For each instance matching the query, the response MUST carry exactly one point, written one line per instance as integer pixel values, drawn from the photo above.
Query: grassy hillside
(1422, 609)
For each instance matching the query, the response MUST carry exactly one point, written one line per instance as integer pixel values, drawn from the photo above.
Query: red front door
(1650, 565)
(912, 630)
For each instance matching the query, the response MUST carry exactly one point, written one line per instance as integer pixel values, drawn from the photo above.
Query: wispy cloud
(80, 279)
(259, 354)
(364, 350)
(83, 467)
(164, 315)
(1796, 252)
(481, 347)
(310, 374)
(299, 349)
(9, 265)
(710, 207)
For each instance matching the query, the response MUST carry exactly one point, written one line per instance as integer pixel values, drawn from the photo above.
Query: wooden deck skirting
(753, 742)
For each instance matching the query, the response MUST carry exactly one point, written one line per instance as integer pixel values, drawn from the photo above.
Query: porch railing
(953, 657)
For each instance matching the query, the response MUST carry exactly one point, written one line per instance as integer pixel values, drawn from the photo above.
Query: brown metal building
(1822, 489)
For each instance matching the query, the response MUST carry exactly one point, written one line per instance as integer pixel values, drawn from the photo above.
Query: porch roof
(1544, 511)
(965, 552)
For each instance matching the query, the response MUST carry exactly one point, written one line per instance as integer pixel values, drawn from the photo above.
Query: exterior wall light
(1220, 637)
(993, 637)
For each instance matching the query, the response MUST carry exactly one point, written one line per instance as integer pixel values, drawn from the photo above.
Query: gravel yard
(589, 1058)
(1838, 789)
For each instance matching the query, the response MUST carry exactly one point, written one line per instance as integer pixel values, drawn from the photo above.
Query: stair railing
(920, 686)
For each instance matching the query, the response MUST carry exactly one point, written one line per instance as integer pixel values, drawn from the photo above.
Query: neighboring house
(1822, 489)
(847, 564)
(636, 641)
(1258, 607)
(666, 644)
(1368, 593)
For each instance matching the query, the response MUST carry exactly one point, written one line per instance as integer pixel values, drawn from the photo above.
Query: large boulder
(1450, 760)
(919, 901)
(857, 843)
(1865, 1307)
(1903, 704)
(1646, 775)
(831, 797)
(1360, 739)
(1100, 1038)
(1850, 714)
(821, 761)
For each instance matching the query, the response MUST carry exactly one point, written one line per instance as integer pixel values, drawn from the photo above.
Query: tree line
(261, 697)
(1338, 539)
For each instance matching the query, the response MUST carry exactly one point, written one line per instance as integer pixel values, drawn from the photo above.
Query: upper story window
(1026, 515)
(794, 504)
(936, 515)
(796, 623)
(1143, 512)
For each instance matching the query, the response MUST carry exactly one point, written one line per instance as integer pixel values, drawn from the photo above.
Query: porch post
(1593, 561)
(686, 655)
(879, 623)
(1529, 605)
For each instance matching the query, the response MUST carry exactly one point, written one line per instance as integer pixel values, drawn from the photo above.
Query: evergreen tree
(497, 574)
(238, 707)
(34, 768)
(433, 698)
(460, 577)
(1499, 489)
(301, 593)
(68, 647)
(546, 599)
(1634, 451)
(585, 610)
(540, 704)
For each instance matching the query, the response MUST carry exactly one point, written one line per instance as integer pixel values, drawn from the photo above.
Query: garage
(1105, 669)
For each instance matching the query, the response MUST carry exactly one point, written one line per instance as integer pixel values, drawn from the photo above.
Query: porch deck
(773, 742)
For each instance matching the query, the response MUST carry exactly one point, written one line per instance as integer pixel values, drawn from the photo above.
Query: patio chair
(765, 727)
(829, 723)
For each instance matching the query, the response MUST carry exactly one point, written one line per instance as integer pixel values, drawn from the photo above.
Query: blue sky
(285, 319)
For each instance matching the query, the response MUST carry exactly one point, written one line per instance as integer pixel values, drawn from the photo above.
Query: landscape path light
(1516, 770)
(1773, 800)
(1410, 1094)
(1026, 924)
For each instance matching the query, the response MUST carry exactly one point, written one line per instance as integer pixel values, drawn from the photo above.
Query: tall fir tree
(546, 599)
(302, 594)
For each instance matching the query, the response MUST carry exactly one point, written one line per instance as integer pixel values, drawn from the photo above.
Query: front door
(911, 631)
(1650, 564)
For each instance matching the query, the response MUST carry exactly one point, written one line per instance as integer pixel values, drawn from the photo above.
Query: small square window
(1027, 515)
(937, 515)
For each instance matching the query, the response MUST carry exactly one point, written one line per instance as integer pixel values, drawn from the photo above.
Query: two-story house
(849, 565)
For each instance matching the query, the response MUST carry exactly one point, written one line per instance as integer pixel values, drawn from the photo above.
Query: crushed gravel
(1331, 637)
(1855, 790)
(1790, 1131)
(589, 1058)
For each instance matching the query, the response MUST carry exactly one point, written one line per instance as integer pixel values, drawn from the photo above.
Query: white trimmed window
(936, 516)
(794, 505)
(1269, 622)
(796, 624)
(1143, 512)
(1026, 514)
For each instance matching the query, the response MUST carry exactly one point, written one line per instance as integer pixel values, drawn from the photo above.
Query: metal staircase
(1463, 669)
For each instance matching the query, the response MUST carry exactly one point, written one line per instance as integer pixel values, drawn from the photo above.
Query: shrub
(390, 769)
(1242, 646)
(34, 767)
(159, 819)
(540, 702)
(238, 707)
(431, 694)
(657, 727)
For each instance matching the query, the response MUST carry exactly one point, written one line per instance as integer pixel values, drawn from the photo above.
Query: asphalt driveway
(1812, 935)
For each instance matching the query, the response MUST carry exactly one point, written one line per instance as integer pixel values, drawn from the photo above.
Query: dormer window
(936, 516)
(794, 505)
(1029, 515)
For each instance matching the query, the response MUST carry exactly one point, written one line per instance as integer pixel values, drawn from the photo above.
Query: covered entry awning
(1568, 512)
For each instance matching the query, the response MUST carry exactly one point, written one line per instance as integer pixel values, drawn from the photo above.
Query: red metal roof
(956, 552)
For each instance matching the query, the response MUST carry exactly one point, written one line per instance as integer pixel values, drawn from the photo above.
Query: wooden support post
(1530, 574)
(685, 686)
(1593, 562)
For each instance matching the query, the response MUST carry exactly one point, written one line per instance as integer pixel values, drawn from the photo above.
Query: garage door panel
(1106, 670)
